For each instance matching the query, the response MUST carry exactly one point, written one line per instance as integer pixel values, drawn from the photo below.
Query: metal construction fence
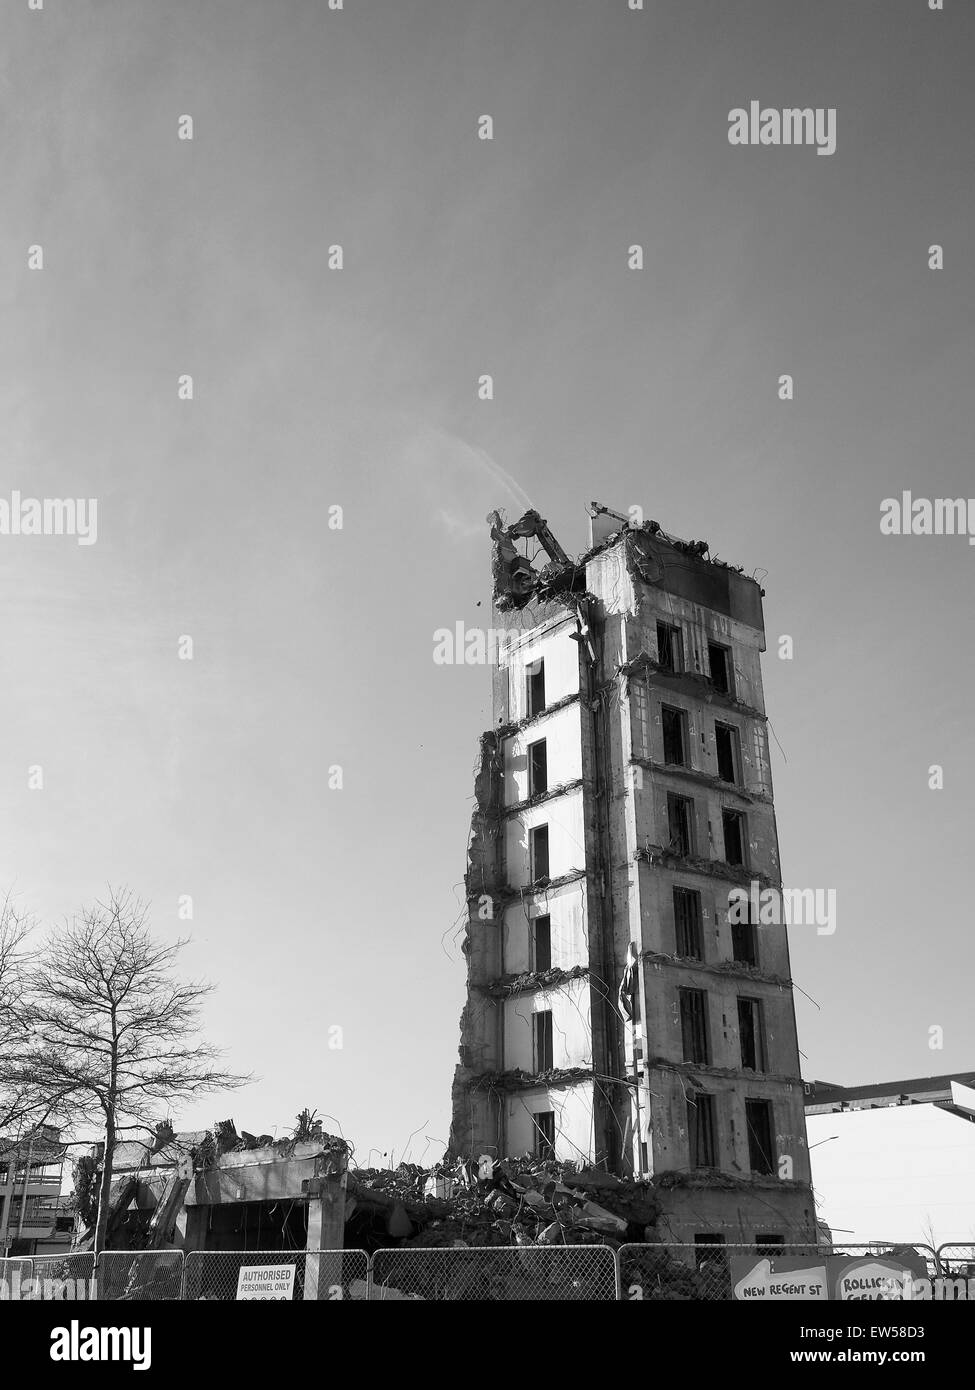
(52, 1277)
(654, 1272)
(685, 1272)
(957, 1258)
(13, 1272)
(496, 1273)
(140, 1276)
(262, 1275)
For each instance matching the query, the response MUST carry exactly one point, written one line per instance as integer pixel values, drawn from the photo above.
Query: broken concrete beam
(168, 1207)
(225, 1136)
(535, 979)
(597, 1218)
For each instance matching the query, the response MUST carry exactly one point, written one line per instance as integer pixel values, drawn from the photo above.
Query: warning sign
(266, 1281)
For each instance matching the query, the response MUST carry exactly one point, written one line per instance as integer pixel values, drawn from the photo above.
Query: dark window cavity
(674, 741)
(543, 1040)
(700, 1131)
(535, 677)
(694, 1025)
(761, 1150)
(733, 825)
(751, 1034)
(543, 942)
(768, 1246)
(544, 1133)
(719, 660)
(744, 937)
(669, 647)
(538, 852)
(537, 767)
(687, 921)
(727, 745)
(680, 824)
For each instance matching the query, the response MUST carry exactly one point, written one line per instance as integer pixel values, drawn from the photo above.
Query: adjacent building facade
(34, 1217)
(895, 1160)
(616, 1012)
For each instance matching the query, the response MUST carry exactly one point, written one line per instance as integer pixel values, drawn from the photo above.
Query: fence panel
(15, 1271)
(676, 1272)
(56, 1277)
(957, 1258)
(140, 1275)
(277, 1275)
(889, 1248)
(495, 1273)
(703, 1272)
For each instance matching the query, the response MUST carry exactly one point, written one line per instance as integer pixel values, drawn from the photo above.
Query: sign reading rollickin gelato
(875, 1277)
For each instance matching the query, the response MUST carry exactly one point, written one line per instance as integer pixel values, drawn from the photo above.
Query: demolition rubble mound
(513, 1202)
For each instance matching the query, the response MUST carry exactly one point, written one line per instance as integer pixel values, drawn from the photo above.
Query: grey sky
(658, 388)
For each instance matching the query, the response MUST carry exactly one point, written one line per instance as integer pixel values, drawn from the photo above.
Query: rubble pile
(662, 1277)
(523, 1201)
(223, 1138)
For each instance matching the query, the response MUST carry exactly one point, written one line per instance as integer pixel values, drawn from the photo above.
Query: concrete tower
(618, 1012)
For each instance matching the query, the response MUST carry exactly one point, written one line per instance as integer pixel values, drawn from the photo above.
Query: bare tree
(927, 1231)
(15, 1095)
(115, 1037)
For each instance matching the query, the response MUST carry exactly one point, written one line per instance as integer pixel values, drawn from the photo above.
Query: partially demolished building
(219, 1190)
(618, 1012)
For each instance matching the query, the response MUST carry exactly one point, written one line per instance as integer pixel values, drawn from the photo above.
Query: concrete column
(4, 1220)
(326, 1232)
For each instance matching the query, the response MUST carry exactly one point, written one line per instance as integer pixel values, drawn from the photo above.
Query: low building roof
(41, 1147)
(923, 1090)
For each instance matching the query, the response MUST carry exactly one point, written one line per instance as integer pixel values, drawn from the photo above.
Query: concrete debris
(223, 1138)
(599, 1219)
(501, 1204)
(254, 1141)
(308, 1129)
(515, 726)
(713, 868)
(437, 1185)
(526, 1201)
(505, 893)
(536, 979)
(163, 1136)
(662, 1277)
(519, 1080)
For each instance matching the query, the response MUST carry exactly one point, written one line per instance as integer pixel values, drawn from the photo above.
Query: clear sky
(312, 387)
